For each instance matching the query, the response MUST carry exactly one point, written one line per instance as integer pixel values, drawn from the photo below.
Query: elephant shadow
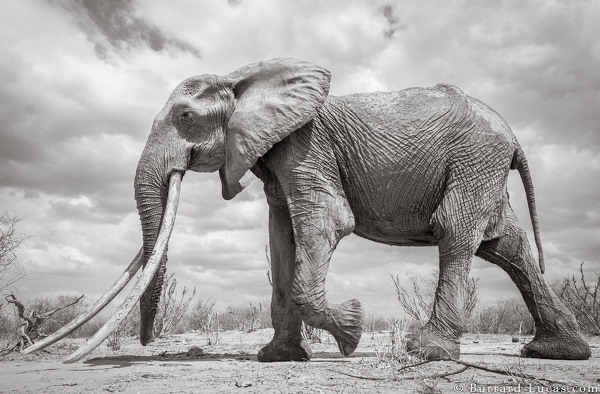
(184, 359)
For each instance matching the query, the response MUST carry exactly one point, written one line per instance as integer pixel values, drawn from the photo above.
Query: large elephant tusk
(116, 288)
(148, 273)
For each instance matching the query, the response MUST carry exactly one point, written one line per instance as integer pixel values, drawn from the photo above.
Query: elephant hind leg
(457, 241)
(557, 335)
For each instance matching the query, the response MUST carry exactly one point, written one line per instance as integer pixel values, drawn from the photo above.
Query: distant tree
(10, 240)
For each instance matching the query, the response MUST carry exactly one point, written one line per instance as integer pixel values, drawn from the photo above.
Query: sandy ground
(165, 366)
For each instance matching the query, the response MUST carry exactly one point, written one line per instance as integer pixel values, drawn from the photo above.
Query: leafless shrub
(172, 307)
(390, 350)
(205, 319)
(311, 334)
(41, 321)
(418, 303)
(10, 241)
(506, 316)
(8, 324)
(376, 323)
(583, 299)
(199, 313)
(246, 318)
(429, 386)
(57, 314)
(212, 329)
(114, 339)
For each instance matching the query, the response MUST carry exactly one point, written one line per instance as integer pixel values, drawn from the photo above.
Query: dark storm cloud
(392, 22)
(114, 23)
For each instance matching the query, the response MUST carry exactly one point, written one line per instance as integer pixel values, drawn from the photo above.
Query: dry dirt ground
(166, 366)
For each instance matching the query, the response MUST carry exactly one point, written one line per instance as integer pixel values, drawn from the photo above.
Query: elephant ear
(273, 98)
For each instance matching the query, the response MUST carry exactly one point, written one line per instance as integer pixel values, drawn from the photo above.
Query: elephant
(415, 167)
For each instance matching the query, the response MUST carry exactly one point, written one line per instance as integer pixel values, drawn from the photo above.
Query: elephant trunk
(150, 195)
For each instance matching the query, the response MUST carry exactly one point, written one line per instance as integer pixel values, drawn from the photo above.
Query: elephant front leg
(318, 232)
(287, 344)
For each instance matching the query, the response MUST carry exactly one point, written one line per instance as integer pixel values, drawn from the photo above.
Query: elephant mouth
(174, 185)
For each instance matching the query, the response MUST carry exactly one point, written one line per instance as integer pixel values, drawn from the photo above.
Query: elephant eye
(187, 118)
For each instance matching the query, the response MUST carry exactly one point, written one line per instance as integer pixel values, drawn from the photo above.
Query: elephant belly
(423, 239)
(395, 210)
(408, 231)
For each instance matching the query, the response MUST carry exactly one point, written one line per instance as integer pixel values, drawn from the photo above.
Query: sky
(81, 82)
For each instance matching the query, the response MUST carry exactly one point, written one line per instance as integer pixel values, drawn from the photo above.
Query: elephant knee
(310, 306)
(305, 300)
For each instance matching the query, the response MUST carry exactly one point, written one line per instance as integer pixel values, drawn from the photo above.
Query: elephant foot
(566, 347)
(432, 346)
(278, 350)
(348, 324)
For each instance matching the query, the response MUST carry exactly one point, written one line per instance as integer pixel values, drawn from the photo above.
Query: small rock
(195, 351)
(515, 339)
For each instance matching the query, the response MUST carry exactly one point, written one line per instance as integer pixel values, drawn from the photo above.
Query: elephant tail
(519, 163)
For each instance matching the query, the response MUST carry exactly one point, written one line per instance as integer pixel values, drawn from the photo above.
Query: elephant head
(209, 123)
(220, 123)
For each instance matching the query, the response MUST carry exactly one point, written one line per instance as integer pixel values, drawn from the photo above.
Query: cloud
(114, 25)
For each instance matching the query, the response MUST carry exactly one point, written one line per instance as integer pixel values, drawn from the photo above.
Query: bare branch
(583, 300)
(466, 365)
(52, 312)
(32, 324)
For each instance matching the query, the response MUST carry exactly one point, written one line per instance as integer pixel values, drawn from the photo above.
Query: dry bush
(311, 334)
(507, 316)
(390, 350)
(376, 324)
(583, 299)
(246, 318)
(212, 329)
(172, 307)
(417, 302)
(171, 316)
(205, 319)
(43, 305)
(11, 270)
(10, 321)
(9, 325)
(40, 320)
(199, 314)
